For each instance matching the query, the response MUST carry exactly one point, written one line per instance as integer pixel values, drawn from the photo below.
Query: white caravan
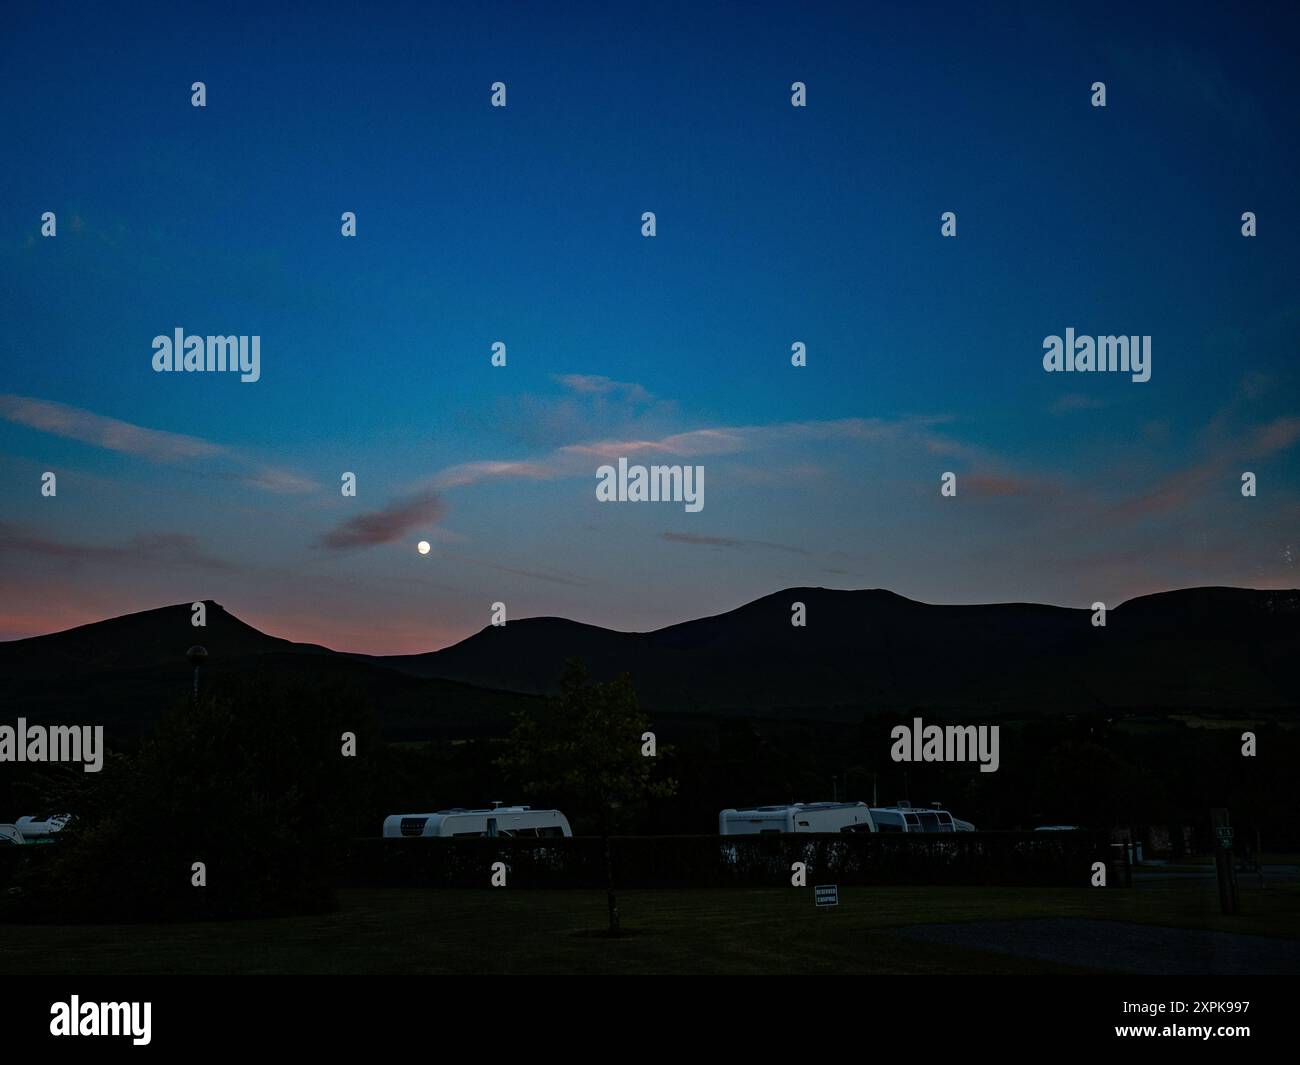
(797, 817)
(32, 829)
(513, 821)
(906, 818)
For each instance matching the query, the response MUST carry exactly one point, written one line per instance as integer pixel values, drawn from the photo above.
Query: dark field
(692, 931)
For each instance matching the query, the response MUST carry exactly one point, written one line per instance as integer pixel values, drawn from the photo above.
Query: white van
(511, 821)
(796, 817)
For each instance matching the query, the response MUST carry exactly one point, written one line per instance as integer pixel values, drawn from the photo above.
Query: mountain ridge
(1215, 646)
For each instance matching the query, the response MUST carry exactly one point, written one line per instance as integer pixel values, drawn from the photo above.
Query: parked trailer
(796, 817)
(906, 818)
(41, 829)
(512, 821)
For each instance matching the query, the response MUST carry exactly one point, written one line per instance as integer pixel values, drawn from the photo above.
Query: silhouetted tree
(586, 743)
(249, 780)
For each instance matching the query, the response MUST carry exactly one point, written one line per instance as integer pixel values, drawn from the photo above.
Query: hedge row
(993, 858)
(1057, 858)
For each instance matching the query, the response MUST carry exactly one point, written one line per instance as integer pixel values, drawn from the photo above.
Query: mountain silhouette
(148, 638)
(1199, 648)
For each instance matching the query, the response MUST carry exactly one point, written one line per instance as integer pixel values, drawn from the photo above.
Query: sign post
(826, 895)
(1223, 864)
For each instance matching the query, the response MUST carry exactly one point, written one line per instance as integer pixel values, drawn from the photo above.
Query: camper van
(512, 821)
(797, 817)
(906, 818)
(40, 829)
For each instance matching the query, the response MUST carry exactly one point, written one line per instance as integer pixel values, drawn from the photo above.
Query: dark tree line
(251, 781)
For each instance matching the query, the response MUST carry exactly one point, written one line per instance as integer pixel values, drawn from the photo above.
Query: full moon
(423, 547)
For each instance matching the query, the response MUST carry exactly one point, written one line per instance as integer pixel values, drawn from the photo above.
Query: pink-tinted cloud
(281, 482)
(1277, 435)
(474, 472)
(691, 444)
(580, 459)
(994, 485)
(597, 385)
(1183, 487)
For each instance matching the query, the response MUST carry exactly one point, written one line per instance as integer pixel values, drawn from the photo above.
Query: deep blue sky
(522, 224)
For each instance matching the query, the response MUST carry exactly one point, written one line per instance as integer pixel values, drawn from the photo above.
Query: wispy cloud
(474, 472)
(279, 481)
(537, 575)
(993, 485)
(74, 423)
(1277, 435)
(1182, 487)
(153, 445)
(168, 548)
(596, 385)
(385, 525)
(693, 444)
(576, 459)
(1076, 401)
(725, 541)
(703, 541)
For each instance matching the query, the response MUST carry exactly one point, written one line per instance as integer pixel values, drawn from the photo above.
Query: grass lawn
(762, 930)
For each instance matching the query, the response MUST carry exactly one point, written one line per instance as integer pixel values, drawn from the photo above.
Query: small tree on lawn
(586, 744)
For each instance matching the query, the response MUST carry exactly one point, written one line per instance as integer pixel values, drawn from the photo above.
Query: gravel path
(1117, 945)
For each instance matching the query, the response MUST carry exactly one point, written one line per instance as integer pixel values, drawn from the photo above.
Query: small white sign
(827, 894)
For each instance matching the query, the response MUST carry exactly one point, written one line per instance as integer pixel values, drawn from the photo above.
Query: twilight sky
(523, 225)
